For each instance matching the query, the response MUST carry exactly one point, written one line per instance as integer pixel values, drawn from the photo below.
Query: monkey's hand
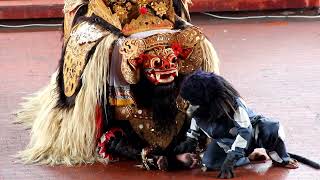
(226, 171)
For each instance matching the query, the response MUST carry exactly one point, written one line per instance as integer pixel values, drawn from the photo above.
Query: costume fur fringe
(32, 104)
(67, 136)
(210, 57)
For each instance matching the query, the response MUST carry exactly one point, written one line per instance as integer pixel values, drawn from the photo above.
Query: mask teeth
(152, 76)
(157, 76)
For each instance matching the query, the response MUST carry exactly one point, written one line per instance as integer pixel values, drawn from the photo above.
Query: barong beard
(161, 99)
(164, 106)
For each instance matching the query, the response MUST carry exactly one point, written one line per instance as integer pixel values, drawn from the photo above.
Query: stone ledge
(34, 9)
(31, 9)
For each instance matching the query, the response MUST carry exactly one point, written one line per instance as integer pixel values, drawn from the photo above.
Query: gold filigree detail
(188, 38)
(143, 3)
(146, 22)
(125, 14)
(161, 8)
(98, 8)
(130, 74)
(131, 111)
(163, 39)
(123, 112)
(162, 52)
(70, 5)
(145, 128)
(144, 125)
(67, 25)
(76, 53)
(191, 38)
(132, 48)
(70, 9)
(121, 12)
(193, 62)
(86, 33)
(74, 63)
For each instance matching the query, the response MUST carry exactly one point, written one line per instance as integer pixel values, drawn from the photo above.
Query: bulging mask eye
(156, 62)
(174, 60)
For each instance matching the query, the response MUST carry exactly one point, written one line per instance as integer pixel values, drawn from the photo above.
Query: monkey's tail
(305, 161)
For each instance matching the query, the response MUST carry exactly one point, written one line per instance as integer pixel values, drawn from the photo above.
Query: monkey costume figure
(220, 112)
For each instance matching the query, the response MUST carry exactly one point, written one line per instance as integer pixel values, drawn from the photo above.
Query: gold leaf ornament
(131, 49)
(99, 8)
(160, 8)
(83, 38)
(143, 3)
(121, 12)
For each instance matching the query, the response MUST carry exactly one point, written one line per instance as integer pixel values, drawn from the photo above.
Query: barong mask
(162, 57)
(159, 65)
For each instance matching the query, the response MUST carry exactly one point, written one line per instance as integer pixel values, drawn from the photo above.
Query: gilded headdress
(132, 16)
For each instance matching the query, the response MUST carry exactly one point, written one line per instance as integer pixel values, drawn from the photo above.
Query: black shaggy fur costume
(211, 92)
(224, 117)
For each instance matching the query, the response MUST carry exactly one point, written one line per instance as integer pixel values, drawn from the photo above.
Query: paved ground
(274, 64)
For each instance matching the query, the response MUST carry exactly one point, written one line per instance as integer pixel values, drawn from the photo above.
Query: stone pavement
(273, 63)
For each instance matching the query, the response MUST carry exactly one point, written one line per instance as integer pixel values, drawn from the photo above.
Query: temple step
(35, 9)
(30, 9)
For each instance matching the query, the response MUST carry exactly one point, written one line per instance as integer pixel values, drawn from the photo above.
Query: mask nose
(168, 65)
(173, 65)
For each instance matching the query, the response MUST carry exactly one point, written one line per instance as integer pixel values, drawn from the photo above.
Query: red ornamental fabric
(104, 140)
(176, 47)
(99, 122)
(143, 10)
